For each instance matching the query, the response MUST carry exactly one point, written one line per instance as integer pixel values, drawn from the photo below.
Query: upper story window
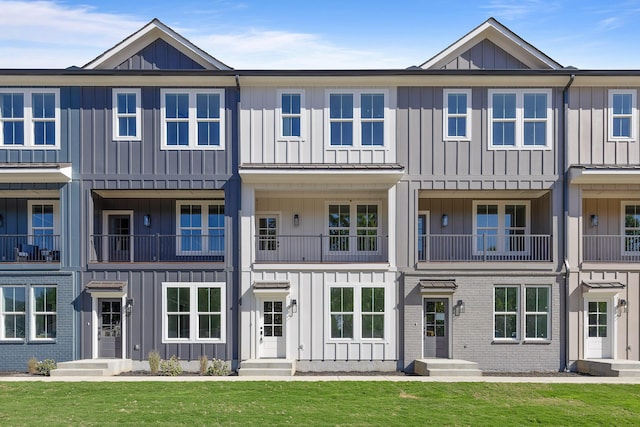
(200, 228)
(126, 115)
(192, 119)
(43, 224)
(357, 118)
(457, 114)
(501, 227)
(353, 227)
(520, 119)
(622, 115)
(631, 227)
(291, 105)
(30, 118)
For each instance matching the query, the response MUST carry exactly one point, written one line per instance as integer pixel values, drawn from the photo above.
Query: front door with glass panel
(436, 328)
(110, 328)
(272, 329)
(267, 229)
(598, 329)
(119, 239)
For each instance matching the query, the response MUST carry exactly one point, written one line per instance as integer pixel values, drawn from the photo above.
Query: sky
(325, 34)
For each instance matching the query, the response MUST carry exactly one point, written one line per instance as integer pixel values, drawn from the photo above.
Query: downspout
(565, 210)
(238, 260)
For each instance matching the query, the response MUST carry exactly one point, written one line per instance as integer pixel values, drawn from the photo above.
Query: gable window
(126, 115)
(520, 119)
(501, 227)
(192, 119)
(341, 312)
(357, 118)
(12, 313)
(29, 118)
(457, 114)
(44, 312)
(536, 312)
(365, 228)
(631, 227)
(200, 228)
(193, 312)
(291, 121)
(622, 115)
(505, 312)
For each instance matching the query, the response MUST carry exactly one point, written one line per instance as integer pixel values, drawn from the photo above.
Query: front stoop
(609, 367)
(446, 368)
(92, 368)
(267, 368)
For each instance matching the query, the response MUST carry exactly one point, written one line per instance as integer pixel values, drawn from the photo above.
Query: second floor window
(29, 118)
(631, 228)
(622, 113)
(457, 115)
(126, 115)
(501, 227)
(291, 115)
(192, 119)
(357, 119)
(200, 228)
(365, 227)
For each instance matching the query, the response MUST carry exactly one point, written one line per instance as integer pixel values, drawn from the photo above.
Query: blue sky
(277, 34)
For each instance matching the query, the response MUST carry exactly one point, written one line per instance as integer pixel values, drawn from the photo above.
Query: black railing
(30, 248)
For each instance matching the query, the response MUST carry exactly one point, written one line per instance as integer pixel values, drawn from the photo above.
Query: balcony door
(267, 229)
(117, 244)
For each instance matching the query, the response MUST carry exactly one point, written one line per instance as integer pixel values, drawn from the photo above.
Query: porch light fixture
(294, 306)
(146, 220)
(623, 303)
(129, 306)
(458, 308)
(445, 220)
(594, 220)
(296, 220)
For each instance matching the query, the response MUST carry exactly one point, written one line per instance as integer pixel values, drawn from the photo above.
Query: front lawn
(317, 403)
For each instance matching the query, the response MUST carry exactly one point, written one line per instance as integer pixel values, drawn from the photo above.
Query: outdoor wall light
(146, 220)
(594, 220)
(445, 220)
(622, 302)
(458, 308)
(294, 306)
(296, 220)
(129, 306)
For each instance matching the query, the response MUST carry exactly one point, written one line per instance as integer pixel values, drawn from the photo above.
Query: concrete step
(92, 367)
(454, 372)
(80, 373)
(627, 373)
(267, 364)
(446, 367)
(267, 367)
(83, 364)
(258, 372)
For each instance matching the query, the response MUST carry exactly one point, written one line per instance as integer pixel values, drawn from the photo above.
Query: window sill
(12, 341)
(537, 342)
(212, 341)
(495, 341)
(42, 341)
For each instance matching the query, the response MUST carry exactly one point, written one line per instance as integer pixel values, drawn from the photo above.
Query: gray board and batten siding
(485, 55)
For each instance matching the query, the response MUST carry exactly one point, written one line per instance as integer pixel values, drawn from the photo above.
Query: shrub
(218, 368)
(204, 362)
(45, 367)
(32, 366)
(154, 362)
(171, 367)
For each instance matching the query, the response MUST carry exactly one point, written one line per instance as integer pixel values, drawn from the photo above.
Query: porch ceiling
(604, 175)
(35, 173)
(160, 194)
(482, 194)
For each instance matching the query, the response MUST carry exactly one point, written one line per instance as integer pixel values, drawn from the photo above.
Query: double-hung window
(506, 313)
(43, 224)
(341, 313)
(29, 118)
(622, 115)
(536, 313)
(192, 119)
(291, 104)
(631, 228)
(44, 312)
(520, 119)
(200, 227)
(357, 312)
(353, 227)
(357, 118)
(193, 312)
(457, 114)
(127, 115)
(501, 227)
(372, 308)
(13, 311)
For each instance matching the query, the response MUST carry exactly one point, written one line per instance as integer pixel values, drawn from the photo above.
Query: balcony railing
(29, 248)
(156, 248)
(484, 247)
(611, 248)
(321, 248)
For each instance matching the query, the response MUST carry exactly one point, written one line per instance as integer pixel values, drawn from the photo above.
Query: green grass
(317, 403)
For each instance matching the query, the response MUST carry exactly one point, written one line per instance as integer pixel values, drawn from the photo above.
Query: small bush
(154, 362)
(45, 367)
(171, 367)
(32, 366)
(204, 362)
(218, 368)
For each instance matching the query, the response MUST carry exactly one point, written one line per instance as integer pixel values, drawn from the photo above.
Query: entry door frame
(95, 320)
(612, 317)
(259, 296)
(449, 319)
(105, 232)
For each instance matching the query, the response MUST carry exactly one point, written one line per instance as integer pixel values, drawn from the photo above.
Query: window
(520, 119)
(506, 312)
(536, 312)
(192, 119)
(622, 115)
(341, 228)
(501, 227)
(126, 115)
(43, 224)
(372, 312)
(193, 312)
(357, 312)
(12, 313)
(29, 118)
(357, 118)
(200, 228)
(457, 115)
(631, 227)
(341, 313)
(44, 312)
(291, 119)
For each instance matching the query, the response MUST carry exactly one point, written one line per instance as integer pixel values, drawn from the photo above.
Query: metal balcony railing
(156, 248)
(618, 248)
(30, 248)
(321, 248)
(484, 247)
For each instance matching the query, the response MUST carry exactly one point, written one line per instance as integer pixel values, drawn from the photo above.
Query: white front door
(599, 331)
(267, 228)
(271, 334)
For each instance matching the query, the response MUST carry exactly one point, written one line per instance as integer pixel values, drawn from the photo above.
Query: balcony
(25, 248)
(484, 248)
(156, 248)
(618, 248)
(321, 248)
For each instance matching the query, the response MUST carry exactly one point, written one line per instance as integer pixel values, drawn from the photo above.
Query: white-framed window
(622, 115)
(457, 114)
(29, 118)
(200, 227)
(631, 228)
(193, 312)
(506, 313)
(44, 309)
(290, 110)
(372, 309)
(13, 312)
(501, 227)
(43, 221)
(357, 118)
(341, 312)
(353, 226)
(520, 119)
(127, 115)
(536, 312)
(192, 119)
(357, 312)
